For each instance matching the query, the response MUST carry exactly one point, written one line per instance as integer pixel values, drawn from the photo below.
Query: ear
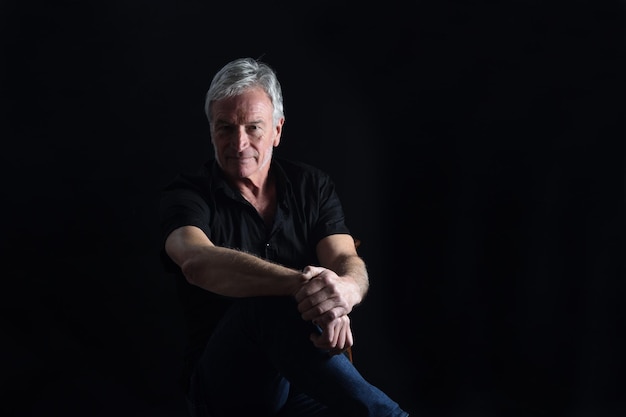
(278, 131)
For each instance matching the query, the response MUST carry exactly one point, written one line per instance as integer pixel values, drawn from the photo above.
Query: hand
(325, 296)
(336, 336)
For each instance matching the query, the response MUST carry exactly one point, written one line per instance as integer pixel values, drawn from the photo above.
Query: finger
(325, 340)
(330, 335)
(309, 295)
(315, 306)
(341, 340)
(311, 271)
(319, 341)
(323, 313)
(343, 343)
(309, 288)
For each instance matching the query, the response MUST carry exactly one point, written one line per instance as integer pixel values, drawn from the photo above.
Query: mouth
(241, 159)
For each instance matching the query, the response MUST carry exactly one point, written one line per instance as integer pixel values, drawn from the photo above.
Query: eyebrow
(222, 122)
(225, 122)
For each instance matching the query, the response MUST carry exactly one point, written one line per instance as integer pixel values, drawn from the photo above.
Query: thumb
(311, 271)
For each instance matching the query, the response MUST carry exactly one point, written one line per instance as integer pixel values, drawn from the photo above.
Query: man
(270, 269)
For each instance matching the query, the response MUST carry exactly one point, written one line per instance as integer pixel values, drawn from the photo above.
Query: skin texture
(244, 136)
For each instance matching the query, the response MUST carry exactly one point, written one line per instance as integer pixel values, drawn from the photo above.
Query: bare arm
(238, 274)
(335, 288)
(338, 285)
(338, 253)
(226, 271)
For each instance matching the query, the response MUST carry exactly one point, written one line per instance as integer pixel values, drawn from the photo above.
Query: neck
(256, 185)
(261, 195)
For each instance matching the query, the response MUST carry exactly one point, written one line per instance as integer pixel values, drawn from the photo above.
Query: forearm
(353, 268)
(234, 273)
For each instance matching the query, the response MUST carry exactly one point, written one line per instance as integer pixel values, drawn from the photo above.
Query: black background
(478, 148)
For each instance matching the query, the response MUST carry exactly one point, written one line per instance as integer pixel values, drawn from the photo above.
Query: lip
(240, 158)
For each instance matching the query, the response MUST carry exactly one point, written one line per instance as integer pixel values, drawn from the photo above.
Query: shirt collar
(283, 185)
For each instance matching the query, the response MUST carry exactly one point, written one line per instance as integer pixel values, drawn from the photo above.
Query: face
(244, 135)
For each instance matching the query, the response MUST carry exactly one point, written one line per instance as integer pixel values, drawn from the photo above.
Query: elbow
(196, 274)
(190, 272)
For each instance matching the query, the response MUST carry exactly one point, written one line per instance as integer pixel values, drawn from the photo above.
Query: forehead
(251, 102)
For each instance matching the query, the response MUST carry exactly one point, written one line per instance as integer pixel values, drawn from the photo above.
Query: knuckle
(318, 310)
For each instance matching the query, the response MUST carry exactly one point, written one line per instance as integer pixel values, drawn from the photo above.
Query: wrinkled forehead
(250, 104)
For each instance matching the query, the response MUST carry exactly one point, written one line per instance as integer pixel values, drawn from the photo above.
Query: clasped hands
(324, 300)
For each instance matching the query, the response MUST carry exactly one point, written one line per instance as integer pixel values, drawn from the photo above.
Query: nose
(241, 140)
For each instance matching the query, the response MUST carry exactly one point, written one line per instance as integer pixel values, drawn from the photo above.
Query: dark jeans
(260, 362)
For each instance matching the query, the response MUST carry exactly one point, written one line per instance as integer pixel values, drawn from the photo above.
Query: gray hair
(241, 74)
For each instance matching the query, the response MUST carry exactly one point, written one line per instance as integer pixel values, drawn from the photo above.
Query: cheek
(219, 144)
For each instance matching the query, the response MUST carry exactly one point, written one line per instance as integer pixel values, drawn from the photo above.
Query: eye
(254, 130)
(224, 129)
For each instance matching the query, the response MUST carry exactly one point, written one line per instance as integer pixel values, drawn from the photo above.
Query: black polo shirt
(308, 210)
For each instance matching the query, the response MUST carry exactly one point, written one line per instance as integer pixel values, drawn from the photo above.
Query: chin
(242, 173)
